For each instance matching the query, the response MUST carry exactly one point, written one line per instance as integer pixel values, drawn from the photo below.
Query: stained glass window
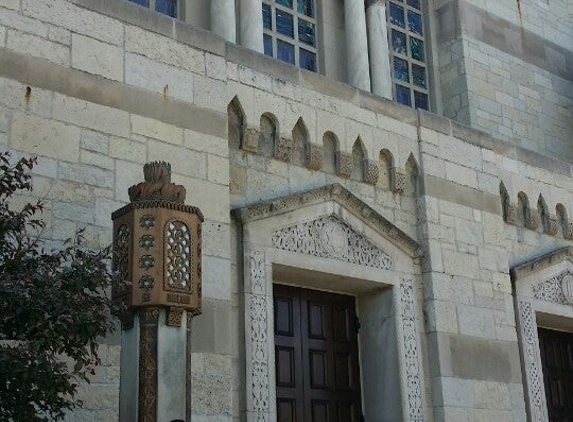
(408, 55)
(289, 32)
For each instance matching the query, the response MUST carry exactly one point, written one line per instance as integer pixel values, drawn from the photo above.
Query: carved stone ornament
(371, 171)
(568, 230)
(344, 163)
(157, 185)
(314, 156)
(148, 366)
(251, 140)
(531, 222)
(328, 237)
(397, 180)
(284, 149)
(567, 287)
(512, 214)
(552, 225)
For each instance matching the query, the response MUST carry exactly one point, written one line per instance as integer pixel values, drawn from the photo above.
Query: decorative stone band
(328, 237)
(189, 209)
(371, 171)
(284, 149)
(339, 194)
(558, 289)
(397, 180)
(148, 323)
(552, 225)
(344, 163)
(532, 362)
(314, 156)
(546, 261)
(531, 222)
(568, 230)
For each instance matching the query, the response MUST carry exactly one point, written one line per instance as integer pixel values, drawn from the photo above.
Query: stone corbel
(344, 162)
(397, 180)
(552, 225)
(371, 171)
(314, 156)
(283, 149)
(531, 222)
(568, 230)
(251, 140)
(511, 215)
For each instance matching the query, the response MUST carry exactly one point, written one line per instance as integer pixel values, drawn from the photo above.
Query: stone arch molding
(333, 241)
(544, 298)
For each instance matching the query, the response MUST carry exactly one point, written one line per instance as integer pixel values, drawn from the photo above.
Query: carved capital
(397, 180)
(511, 215)
(314, 156)
(552, 225)
(250, 140)
(568, 230)
(371, 171)
(157, 185)
(531, 222)
(344, 163)
(283, 149)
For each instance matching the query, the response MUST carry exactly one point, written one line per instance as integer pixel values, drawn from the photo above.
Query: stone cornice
(339, 194)
(542, 262)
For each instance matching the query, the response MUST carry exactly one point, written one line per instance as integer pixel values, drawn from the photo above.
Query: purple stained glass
(306, 32)
(419, 75)
(141, 2)
(285, 3)
(417, 49)
(401, 70)
(285, 52)
(403, 95)
(267, 17)
(284, 23)
(421, 100)
(399, 42)
(414, 3)
(268, 43)
(307, 60)
(167, 7)
(396, 15)
(415, 22)
(306, 7)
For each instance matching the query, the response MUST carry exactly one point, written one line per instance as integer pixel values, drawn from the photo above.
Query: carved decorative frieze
(558, 289)
(531, 222)
(328, 237)
(552, 225)
(532, 362)
(178, 256)
(568, 230)
(251, 140)
(344, 163)
(371, 171)
(314, 156)
(284, 149)
(397, 180)
(174, 317)
(148, 322)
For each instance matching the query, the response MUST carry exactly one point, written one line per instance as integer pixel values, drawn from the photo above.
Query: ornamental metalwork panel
(178, 247)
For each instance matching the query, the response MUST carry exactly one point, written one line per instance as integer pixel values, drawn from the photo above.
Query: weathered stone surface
(97, 57)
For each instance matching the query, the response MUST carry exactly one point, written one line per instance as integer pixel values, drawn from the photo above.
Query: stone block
(492, 395)
(211, 394)
(455, 392)
(97, 160)
(461, 175)
(442, 316)
(23, 23)
(10, 4)
(163, 49)
(37, 47)
(64, 14)
(74, 212)
(254, 78)
(216, 278)
(86, 174)
(183, 161)
(45, 137)
(97, 57)
(158, 130)
(216, 239)
(210, 93)
(59, 35)
(476, 321)
(218, 169)
(215, 67)
(206, 143)
(90, 115)
(126, 149)
(61, 190)
(161, 78)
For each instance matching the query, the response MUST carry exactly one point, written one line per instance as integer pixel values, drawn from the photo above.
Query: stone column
(356, 44)
(378, 49)
(252, 24)
(223, 19)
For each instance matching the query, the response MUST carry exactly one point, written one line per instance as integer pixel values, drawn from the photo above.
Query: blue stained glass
(167, 7)
(399, 42)
(285, 52)
(421, 100)
(306, 32)
(307, 60)
(268, 42)
(417, 49)
(396, 15)
(401, 69)
(285, 3)
(419, 75)
(141, 2)
(306, 7)
(284, 23)
(403, 95)
(415, 22)
(267, 17)
(414, 3)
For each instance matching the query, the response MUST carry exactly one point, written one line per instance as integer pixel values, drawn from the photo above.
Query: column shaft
(378, 48)
(252, 24)
(223, 19)
(356, 44)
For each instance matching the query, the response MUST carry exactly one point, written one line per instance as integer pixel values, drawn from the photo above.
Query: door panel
(556, 349)
(316, 356)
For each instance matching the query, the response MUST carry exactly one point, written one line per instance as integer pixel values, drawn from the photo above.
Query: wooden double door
(316, 354)
(556, 349)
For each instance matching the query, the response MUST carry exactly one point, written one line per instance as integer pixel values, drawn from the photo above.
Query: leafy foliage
(53, 307)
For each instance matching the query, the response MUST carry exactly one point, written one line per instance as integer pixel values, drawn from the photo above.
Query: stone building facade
(451, 229)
